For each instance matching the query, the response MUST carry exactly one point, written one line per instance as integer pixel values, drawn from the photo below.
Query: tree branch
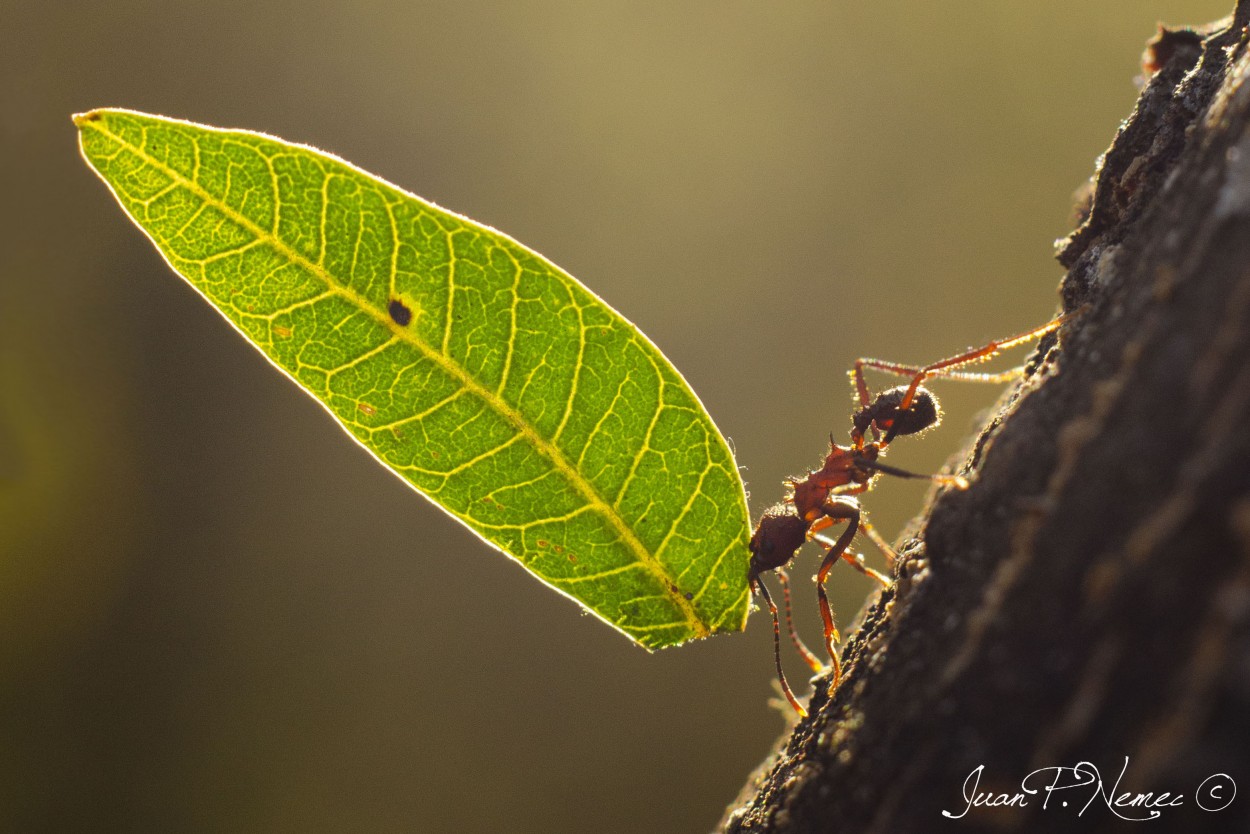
(1088, 598)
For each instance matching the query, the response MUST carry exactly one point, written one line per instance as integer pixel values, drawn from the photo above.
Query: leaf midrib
(501, 406)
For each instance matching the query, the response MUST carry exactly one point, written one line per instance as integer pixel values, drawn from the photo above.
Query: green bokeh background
(219, 615)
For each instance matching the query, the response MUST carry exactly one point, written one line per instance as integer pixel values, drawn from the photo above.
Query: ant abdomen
(924, 412)
(779, 533)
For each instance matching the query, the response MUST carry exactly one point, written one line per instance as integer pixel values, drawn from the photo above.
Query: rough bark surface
(1088, 598)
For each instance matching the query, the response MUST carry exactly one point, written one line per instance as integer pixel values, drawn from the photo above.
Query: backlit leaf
(476, 370)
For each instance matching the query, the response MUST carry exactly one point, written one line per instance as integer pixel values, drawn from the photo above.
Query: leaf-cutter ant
(826, 497)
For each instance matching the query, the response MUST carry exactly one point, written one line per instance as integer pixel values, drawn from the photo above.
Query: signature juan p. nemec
(1081, 786)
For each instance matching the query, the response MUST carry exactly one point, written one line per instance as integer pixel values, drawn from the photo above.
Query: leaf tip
(83, 119)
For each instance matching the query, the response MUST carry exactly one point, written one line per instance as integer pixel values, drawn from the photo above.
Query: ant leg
(848, 510)
(980, 354)
(758, 586)
(891, 555)
(865, 399)
(822, 523)
(899, 369)
(810, 659)
(855, 560)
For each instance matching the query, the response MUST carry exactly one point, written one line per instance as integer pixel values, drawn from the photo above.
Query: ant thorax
(846, 469)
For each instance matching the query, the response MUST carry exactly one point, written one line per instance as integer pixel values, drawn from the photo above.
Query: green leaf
(475, 369)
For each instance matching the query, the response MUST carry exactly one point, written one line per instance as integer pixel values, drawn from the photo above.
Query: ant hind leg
(810, 659)
(758, 586)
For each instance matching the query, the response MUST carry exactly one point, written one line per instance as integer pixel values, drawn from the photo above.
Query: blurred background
(218, 614)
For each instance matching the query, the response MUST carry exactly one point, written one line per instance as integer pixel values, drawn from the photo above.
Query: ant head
(924, 412)
(779, 534)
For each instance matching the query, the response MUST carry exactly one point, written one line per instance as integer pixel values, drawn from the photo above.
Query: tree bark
(1088, 598)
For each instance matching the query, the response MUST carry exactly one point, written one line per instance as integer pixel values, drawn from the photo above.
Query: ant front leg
(837, 508)
(946, 367)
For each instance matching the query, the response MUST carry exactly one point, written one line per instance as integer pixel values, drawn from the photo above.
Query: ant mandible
(826, 496)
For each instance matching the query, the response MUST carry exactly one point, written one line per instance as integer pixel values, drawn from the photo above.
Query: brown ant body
(826, 497)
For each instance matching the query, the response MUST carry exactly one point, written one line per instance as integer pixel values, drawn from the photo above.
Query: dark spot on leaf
(542, 544)
(559, 549)
(367, 409)
(573, 558)
(400, 314)
(689, 596)
(435, 455)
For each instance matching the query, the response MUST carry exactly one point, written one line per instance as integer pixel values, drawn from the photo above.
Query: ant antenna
(956, 481)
